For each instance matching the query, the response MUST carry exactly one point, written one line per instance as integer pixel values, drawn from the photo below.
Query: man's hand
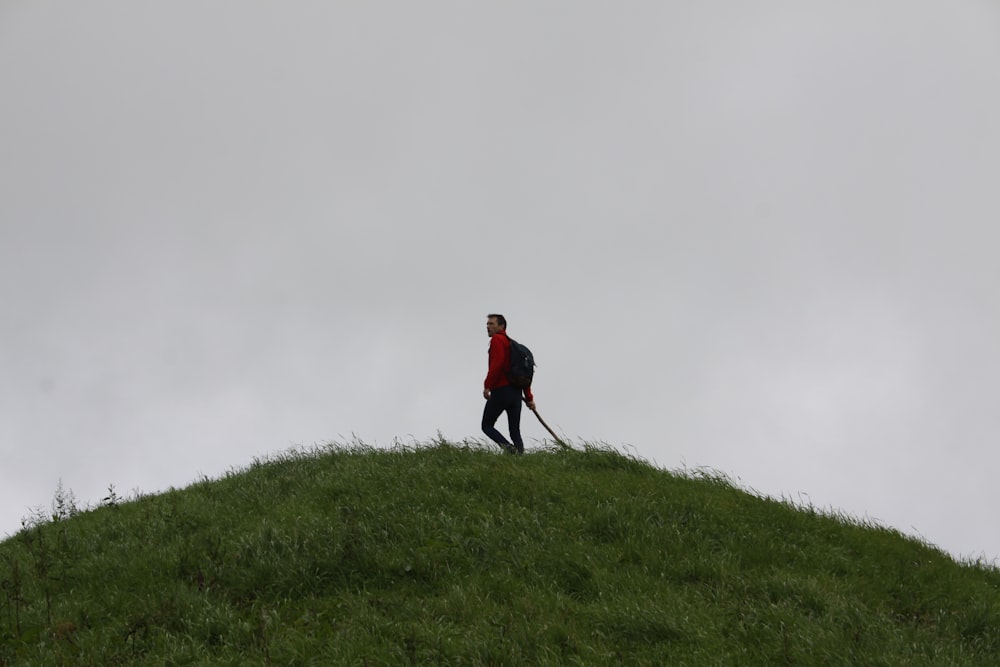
(486, 393)
(531, 405)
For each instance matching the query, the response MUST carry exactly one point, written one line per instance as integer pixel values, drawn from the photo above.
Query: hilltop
(449, 553)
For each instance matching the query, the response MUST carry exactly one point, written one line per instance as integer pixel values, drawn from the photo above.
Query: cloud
(755, 240)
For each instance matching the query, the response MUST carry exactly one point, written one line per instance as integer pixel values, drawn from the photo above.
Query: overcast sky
(756, 237)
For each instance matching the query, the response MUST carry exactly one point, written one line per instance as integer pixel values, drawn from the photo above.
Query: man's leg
(491, 412)
(514, 418)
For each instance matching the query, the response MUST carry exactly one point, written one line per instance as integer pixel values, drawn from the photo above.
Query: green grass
(451, 554)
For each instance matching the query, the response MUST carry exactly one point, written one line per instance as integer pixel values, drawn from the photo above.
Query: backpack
(522, 365)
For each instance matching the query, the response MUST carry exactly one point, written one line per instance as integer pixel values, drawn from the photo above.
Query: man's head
(495, 323)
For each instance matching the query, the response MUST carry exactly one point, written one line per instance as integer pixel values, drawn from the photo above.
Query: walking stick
(558, 439)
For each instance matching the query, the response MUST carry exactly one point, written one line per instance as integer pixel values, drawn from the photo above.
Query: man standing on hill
(500, 394)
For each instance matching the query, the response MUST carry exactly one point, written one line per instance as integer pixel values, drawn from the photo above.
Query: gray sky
(754, 237)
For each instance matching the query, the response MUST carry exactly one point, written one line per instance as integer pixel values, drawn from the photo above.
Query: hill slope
(452, 554)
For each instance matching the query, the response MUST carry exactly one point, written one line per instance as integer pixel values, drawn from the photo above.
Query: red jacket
(496, 377)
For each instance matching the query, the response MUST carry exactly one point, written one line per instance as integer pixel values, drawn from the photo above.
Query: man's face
(492, 326)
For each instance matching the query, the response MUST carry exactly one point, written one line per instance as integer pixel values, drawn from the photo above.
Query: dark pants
(504, 399)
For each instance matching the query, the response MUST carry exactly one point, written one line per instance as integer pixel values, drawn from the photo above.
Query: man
(501, 396)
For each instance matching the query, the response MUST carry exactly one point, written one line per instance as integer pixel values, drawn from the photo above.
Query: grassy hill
(452, 554)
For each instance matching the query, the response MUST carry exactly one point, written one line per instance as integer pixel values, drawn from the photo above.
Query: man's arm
(496, 368)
